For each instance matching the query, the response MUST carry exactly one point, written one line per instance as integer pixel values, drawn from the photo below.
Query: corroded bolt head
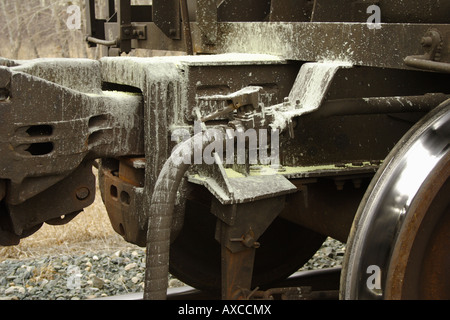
(426, 41)
(83, 193)
(250, 242)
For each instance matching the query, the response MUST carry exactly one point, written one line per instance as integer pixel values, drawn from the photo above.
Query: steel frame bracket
(229, 190)
(308, 92)
(167, 17)
(207, 20)
(238, 238)
(241, 225)
(433, 44)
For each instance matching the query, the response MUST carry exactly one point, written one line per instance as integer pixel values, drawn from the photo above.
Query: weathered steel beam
(352, 42)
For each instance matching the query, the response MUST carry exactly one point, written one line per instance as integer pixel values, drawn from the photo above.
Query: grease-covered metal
(334, 94)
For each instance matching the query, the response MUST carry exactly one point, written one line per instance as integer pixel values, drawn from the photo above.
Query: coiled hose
(161, 217)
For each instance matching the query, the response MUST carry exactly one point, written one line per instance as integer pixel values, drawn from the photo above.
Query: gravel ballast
(96, 275)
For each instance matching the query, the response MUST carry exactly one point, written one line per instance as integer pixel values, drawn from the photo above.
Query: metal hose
(161, 217)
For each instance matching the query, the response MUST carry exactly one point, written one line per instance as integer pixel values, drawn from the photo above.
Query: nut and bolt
(250, 242)
(247, 240)
(426, 41)
(82, 193)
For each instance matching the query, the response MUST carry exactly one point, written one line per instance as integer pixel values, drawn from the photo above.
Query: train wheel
(400, 240)
(195, 256)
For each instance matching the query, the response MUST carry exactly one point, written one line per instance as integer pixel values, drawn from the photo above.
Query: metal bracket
(240, 226)
(167, 16)
(238, 239)
(207, 20)
(240, 189)
(433, 43)
(308, 92)
(249, 96)
(135, 31)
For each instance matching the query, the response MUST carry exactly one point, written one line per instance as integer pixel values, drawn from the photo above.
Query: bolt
(340, 184)
(250, 242)
(426, 41)
(357, 183)
(247, 241)
(286, 103)
(83, 193)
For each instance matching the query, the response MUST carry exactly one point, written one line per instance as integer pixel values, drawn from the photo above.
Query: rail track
(320, 284)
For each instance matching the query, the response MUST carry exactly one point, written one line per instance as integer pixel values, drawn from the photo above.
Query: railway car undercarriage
(233, 165)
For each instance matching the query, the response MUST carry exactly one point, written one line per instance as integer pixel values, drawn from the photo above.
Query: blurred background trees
(32, 29)
(37, 28)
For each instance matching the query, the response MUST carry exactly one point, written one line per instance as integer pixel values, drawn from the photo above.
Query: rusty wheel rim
(420, 260)
(400, 235)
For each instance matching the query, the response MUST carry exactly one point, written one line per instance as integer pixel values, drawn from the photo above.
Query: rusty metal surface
(327, 206)
(167, 16)
(321, 281)
(30, 135)
(398, 204)
(342, 95)
(206, 15)
(237, 26)
(173, 88)
(325, 41)
(237, 272)
(121, 185)
(52, 126)
(386, 48)
(75, 193)
(283, 248)
(419, 261)
(427, 11)
(171, 92)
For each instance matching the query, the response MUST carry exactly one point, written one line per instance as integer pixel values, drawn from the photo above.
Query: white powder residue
(82, 75)
(309, 90)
